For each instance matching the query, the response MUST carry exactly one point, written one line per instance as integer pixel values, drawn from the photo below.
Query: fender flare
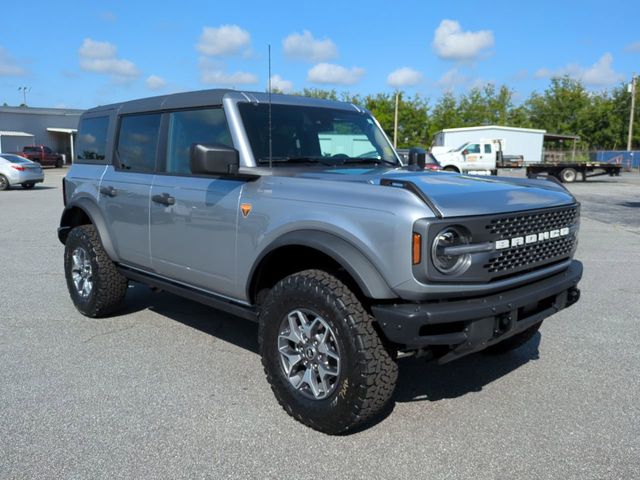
(92, 210)
(361, 269)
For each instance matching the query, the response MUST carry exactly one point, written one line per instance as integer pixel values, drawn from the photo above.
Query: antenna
(270, 143)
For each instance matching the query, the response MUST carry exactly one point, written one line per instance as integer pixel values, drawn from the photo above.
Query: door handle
(164, 199)
(108, 191)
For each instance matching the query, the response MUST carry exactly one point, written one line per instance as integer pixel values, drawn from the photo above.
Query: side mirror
(213, 159)
(417, 158)
(464, 152)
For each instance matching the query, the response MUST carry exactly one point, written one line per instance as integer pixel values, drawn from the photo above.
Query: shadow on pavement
(418, 380)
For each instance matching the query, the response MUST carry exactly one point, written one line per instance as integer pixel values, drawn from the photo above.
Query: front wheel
(325, 362)
(96, 287)
(59, 163)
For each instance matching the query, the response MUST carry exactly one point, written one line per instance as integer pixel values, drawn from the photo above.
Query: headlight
(445, 259)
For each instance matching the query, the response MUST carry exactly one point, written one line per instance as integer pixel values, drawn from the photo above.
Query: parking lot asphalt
(172, 389)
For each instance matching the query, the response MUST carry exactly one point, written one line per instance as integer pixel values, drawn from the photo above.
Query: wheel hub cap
(309, 354)
(81, 272)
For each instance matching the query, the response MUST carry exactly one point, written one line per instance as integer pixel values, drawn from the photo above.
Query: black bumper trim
(516, 309)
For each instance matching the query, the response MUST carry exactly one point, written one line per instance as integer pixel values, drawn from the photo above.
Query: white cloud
(224, 40)
(102, 57)
(305, 47)
(328, 73)
(451, 43)
(599, 74)
(633, 47)
(279, 83)
(452, 79)
(8, 65)
(155, 82)
(404, 77)
(213, 73)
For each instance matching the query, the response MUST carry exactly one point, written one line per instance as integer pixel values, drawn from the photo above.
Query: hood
(456, 195)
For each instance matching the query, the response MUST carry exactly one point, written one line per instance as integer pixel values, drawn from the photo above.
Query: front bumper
(469, 325)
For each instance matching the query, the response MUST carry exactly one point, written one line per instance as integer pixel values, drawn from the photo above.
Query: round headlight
(450, 263)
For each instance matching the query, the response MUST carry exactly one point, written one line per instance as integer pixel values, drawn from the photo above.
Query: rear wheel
(95, 285)
(325, 362)
(59, 163)
(28, 185)
(568, 175)
(514, 342)
(4, 183)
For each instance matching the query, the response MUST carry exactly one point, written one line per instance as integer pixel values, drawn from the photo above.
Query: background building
(53, 127)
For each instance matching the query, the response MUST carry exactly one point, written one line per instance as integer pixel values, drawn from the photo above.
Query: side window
(473, 148)
(138, 142)
(193, 126)
(487, 148)
(91, 141)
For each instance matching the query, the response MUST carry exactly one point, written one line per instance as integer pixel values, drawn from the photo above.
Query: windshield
(314, 135)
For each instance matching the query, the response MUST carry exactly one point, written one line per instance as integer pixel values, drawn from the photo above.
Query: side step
(210, 299)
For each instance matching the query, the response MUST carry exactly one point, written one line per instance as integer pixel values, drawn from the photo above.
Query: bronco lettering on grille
(533, 238)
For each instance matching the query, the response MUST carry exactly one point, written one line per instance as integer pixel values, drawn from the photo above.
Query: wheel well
(71, 218)
(451, 168)
(286, 260)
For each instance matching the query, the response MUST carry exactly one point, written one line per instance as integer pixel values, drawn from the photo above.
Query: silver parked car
(17, 170)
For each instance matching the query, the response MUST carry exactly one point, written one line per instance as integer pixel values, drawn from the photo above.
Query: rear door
(193, 218)
(125, 187)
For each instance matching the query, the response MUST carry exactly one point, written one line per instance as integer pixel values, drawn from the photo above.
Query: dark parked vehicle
(43, 155)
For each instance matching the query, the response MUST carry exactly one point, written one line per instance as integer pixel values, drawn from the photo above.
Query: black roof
(214, 97)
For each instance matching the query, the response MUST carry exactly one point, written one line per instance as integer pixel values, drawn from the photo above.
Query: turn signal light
(416, 251)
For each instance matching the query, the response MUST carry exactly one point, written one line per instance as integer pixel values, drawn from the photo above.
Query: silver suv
(298, 214)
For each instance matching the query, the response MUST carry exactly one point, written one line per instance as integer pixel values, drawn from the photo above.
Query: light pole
(632, 113)
(395, 121)
(24, 91)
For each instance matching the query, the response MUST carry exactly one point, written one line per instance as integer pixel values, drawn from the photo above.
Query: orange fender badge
(245, 208)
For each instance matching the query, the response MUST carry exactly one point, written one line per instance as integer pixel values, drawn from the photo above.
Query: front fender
(361, 269)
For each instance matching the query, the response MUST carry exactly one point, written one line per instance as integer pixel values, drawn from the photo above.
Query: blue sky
(80, 54)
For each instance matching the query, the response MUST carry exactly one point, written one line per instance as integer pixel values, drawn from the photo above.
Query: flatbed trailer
(568, 172)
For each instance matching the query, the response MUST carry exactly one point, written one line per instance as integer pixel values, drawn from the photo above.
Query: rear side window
(138, 142)
(193, 126)
(487, 148)
(92, 139)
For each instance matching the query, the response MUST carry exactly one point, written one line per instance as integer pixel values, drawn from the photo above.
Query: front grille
(515, 225)
(528, 256)
(531, 255)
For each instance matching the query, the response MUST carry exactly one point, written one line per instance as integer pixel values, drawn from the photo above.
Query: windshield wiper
(322, 160)
(370, 160)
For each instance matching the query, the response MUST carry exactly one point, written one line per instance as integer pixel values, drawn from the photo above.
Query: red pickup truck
(43, 155)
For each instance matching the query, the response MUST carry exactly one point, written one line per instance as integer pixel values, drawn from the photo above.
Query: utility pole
(633, 108)
(24, 91)
(395, 121)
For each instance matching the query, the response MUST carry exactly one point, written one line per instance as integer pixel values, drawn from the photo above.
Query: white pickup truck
(483, 157)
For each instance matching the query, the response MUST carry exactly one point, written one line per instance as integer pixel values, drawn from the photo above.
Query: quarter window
(138, 142)
(193, 126)
(92, 139)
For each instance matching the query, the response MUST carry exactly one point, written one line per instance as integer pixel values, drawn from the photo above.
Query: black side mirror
(417, 158)
(213, 159)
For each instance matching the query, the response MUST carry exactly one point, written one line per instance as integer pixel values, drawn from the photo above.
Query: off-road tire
(514, 342)
(27, 186)
(109, 285)
(4, 183)
(368, 371)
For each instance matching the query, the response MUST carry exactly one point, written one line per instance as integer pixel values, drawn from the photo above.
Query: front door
(193, 218)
